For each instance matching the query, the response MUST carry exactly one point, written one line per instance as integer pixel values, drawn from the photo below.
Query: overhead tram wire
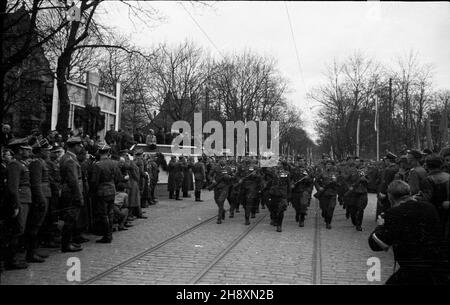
(201, 29)
(295, 46)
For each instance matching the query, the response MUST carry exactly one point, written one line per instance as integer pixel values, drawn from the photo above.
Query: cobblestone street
(230, 253)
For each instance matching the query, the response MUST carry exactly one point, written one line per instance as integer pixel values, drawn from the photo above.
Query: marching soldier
(357, 198)
(279, 192)
(327, 189)
(19, 195)
(105, 176)
(221, 178)
(40, 194)
(301, 185)
(199, 170)
(233, 192)
(71, 194)
(250, 182)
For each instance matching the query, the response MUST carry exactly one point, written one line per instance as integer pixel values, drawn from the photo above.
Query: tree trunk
(63, 94)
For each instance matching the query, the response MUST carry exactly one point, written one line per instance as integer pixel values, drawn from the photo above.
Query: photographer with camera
(411, 227)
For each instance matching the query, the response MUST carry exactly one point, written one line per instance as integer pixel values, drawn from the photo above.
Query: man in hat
(171, 178)
(72, 193)
(5, 135)
(105, 176)
(111, 135)
(40, 193)
(445, 154)
(436, 189)
(54, 176)
(417, 173)
(387, 176)
(200, 178)
(139, 161)
(178, 176)
(19, 194)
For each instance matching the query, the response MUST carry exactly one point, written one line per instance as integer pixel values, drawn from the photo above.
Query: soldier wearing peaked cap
(71, 193)
(19, 195)
(387, 176)
(417, 174)
(105, 176)
(41, 193)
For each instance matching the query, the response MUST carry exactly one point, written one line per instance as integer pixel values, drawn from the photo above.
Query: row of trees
(176, 80)
(406, 104)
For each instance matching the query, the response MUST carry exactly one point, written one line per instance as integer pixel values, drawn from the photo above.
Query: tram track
(147, 251)
(317, 253)
(227, 250)
(198, 275)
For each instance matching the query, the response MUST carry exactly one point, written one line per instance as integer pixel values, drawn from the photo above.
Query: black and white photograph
(224, 149)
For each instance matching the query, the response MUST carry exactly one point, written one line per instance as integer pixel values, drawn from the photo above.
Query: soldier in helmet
(105, 176)
(279, 192)
(327, 190)
(233, 193)
(356, 196)
(221, 178)
(300, 188)
(250, 183)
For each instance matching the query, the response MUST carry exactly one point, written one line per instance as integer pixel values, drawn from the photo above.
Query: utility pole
(357, 134)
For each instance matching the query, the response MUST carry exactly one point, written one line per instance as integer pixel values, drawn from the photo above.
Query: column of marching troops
(52, 195)
(245, 183)
(412, 189)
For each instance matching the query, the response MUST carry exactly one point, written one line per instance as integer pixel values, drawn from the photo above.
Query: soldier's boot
(223, 215)
(171, 195)
(31, 256)
(278, 228)
(197, 196)
(247, 221)
(177, 195)
(358, 228)
(219, 220)
(296, 217)
(231, 213)
(328, 226)
(272, 222)
(253, 215)
(302, 220)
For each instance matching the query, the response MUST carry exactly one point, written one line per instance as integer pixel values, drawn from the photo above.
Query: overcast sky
(322, 31)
